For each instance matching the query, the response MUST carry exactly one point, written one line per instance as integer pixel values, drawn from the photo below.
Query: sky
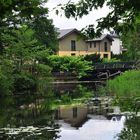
(63, 23)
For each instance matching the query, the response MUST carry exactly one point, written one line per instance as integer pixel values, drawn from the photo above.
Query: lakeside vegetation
(72, 64)
(126, 90)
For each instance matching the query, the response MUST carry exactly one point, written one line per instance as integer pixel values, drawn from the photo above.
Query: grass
(126, 85)
(126, 89)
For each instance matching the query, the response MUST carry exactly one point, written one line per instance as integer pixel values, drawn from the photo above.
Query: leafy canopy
(16, 13)
(121, 11)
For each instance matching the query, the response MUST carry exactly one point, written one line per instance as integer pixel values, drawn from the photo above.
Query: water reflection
(25, 118)
(75, 116)
(83, 123)
(29, 117)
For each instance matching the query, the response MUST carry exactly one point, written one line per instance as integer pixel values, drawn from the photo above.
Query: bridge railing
(115, 65)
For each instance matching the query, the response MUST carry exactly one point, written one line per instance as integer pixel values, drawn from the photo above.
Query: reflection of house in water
(76, 116)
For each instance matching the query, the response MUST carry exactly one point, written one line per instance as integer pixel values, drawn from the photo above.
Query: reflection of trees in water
(131, 130)
(79, 91)
(27, 111)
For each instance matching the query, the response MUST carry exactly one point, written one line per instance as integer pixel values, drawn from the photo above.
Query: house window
(75, 112)
(73, 54)
(73, 45)
(105, 55)
(90, 44)
(105, 46)
(94, 44)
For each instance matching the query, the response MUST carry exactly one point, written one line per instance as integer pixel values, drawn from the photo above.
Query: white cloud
(62, 22)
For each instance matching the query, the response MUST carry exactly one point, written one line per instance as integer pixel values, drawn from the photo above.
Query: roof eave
(74, 30)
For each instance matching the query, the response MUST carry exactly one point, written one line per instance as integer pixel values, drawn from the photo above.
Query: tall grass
(126, 85)
(126, 89)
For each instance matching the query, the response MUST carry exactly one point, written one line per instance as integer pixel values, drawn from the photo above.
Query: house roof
(101, 38)
(114, 35)
(65, 32)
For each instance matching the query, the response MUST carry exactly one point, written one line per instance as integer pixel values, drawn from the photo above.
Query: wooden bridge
(101, 71)
(108, 70)
(115, 65)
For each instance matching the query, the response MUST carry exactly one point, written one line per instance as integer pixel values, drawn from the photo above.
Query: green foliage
(24, 81)
(121, 57)
(94, 58)
(25, 34)
(65, 99)
(131, 129)
(132, 43)
(126, 89)
(46, 33)
(83, 92)
(6, 79)
(21, 44)
(110, 60)
(69, 64)
(120, 10)
(14, 14)
(126, 85)
(78, 96)
(25, 51)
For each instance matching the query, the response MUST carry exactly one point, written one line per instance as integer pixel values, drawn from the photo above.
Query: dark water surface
(30, 117)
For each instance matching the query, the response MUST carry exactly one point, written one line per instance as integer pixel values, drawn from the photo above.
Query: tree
(6, 78)
(122, 11)
(15, 13)
(46, 33)
(23, 50)
(25, 34)
(132, 43)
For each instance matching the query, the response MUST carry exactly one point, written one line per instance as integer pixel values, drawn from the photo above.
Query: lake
(38, 117)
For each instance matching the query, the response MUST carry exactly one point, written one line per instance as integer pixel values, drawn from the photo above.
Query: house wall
(82, 47)
(100, 49)
(68, 115)
(92, 48)
(65, 43)
(116, 47)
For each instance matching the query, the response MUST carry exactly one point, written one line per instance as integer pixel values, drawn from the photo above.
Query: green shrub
(6, 78)
(126, 89)
(128, 84)
(94, 58)
(111, 60)
(69, 64)
(23, 81)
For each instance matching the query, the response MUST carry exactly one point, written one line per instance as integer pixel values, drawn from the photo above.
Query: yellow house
(71, 44)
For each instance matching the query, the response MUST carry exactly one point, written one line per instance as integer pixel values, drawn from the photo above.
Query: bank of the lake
(126, 89)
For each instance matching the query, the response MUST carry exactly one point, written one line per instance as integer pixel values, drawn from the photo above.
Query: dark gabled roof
(101, 38)
(114, 34)
(65, 32)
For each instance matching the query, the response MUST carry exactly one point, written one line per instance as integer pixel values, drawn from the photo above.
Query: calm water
(30, 117)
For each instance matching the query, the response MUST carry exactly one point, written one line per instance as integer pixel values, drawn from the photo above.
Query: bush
(94, 58)
(6, 78)
(128, 84)
(69, 64)
(126, 89)
(24, 81)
